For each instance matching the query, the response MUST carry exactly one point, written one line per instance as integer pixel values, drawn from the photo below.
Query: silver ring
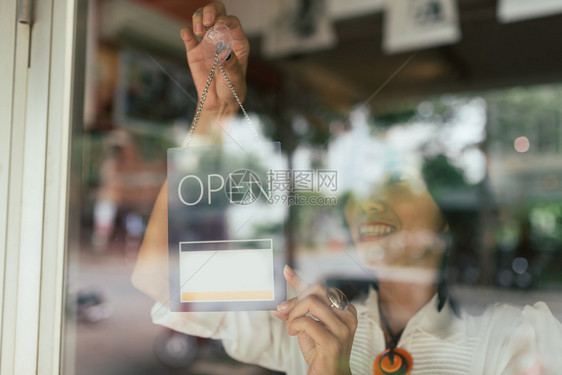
(198, 11)
(337, 298)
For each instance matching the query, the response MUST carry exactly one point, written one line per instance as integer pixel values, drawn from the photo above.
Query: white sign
(416, 24)
(298, 26)
(232, 271)
(517, 10)
(220, 199)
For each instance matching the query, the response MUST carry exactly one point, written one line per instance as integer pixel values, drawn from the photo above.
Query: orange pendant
(399, 363)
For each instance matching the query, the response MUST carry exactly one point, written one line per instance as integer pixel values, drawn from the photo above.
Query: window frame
(41, 101)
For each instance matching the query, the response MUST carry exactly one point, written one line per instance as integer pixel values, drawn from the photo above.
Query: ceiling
(489, 55)
(179, 9)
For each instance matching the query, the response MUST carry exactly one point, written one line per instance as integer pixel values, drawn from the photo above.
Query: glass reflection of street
(117, 337)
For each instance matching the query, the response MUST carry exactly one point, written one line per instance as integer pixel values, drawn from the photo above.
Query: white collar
(428, 319)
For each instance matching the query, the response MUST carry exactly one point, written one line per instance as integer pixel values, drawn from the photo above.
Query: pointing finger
(294, 280)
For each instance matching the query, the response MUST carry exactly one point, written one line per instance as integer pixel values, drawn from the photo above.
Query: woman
(403, 325)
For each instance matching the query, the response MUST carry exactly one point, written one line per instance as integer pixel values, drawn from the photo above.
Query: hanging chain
(204, 97)
(231, 87)
(202, 101)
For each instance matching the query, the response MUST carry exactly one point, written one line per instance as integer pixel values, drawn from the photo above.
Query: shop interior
(323, 76)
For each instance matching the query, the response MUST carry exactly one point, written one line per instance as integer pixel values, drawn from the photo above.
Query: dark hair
(446, 182)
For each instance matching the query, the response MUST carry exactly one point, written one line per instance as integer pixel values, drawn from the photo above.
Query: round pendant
(397, 362)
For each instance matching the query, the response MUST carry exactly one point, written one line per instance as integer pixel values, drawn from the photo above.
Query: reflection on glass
(454, 196)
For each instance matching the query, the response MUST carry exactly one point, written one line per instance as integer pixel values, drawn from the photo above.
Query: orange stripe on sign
(227, 296)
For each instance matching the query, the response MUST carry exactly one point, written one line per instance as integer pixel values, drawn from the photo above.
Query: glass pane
(418, 172)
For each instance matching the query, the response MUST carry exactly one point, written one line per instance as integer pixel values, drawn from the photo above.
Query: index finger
(205, 17)
(212, 11)
(294, 280)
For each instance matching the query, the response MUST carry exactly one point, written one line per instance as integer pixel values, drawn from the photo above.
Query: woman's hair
(446, 183)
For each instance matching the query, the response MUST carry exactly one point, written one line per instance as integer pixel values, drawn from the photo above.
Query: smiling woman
(399, 224)
(403, 324)
(94, 92)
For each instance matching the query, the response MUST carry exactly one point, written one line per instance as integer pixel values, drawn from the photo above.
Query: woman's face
(398, 225)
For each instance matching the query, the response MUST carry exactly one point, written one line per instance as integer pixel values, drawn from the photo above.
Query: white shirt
(499, 341)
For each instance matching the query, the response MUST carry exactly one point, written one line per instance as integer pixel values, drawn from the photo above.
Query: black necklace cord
(393, 338)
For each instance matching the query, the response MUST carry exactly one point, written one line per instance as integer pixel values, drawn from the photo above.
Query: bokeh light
(521, 144)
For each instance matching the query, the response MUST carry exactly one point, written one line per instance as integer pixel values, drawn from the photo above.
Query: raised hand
(220, 101)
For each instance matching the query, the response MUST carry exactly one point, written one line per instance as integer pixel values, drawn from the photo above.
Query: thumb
(189, 39)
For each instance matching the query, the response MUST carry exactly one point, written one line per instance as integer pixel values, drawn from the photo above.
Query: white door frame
(38, 107)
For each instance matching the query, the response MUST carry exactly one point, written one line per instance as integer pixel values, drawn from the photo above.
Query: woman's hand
(325, 334)
(151, 269)
(220, 101)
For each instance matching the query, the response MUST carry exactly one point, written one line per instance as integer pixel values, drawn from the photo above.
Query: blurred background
(472, 85)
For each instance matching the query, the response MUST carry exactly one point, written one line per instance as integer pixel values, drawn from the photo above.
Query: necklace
(392, 361)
